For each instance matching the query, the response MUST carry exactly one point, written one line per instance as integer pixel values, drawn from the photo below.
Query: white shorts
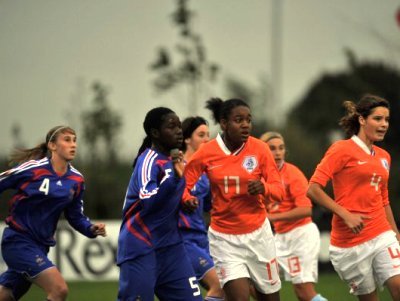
(370, 263)
(250, 255)
(297, 252)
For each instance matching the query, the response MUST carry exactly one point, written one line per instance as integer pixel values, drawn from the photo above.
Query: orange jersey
(295, 184)
(234, 211)
(360, 182)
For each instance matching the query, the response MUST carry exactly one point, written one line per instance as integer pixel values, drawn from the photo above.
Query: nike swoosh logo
(396, 266)
(214, 166)
(361, 162)
(274, 282)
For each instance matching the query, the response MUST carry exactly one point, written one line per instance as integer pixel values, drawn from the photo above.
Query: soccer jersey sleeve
(193, 170)
(74, 213)
(333, 161)
(298, 188)
(274, 190)
(13, 178)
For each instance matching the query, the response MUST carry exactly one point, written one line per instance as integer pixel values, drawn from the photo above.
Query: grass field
(329, 285)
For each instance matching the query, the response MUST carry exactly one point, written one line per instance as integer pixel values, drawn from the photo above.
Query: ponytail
(145, 144)
(19, 156)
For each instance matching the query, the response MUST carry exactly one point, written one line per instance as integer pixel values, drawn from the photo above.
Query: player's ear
(155, 133)
(223, 123)
(361, 120)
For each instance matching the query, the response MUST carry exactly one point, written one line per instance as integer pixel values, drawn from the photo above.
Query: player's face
(277, 147)
(64, 146)
(376, 124)
(200, 135)
(170, 133)
(237, 128)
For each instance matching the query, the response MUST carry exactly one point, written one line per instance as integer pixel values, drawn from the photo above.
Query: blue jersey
(150, 211)
(41, 196)
(194, 222)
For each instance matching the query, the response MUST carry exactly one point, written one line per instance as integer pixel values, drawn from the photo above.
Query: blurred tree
(101, 126)
(315, 118)
(193, 68)
(105, 175)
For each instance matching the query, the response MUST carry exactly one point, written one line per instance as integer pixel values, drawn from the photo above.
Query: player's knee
(6, 294)
(59, 292)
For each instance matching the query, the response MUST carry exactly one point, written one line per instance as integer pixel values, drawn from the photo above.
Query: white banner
(81, 258)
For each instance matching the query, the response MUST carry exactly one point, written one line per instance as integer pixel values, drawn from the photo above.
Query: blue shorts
(199, 255)
(25, 259)
(166, 273)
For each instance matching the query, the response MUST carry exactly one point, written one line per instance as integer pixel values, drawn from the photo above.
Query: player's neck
(60, 166)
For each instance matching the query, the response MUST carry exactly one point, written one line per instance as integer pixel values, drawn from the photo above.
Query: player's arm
(291, 215)
(390, 218)
(75, 216)
(273, 186)
(12, 178)
(354, 221)
(193, 170)
(297, 191)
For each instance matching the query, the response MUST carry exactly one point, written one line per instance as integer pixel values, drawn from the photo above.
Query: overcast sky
(51, 52)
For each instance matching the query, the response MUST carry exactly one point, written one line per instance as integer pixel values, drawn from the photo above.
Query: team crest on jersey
(250, 163)
(385, 164)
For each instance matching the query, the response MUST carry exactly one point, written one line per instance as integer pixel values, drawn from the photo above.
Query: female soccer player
(191, 225)
(364, 247)
(46, 185)
(151, 255)
(242, 173)
(297, 238)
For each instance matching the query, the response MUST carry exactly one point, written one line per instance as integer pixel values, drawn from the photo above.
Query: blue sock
(319, 298)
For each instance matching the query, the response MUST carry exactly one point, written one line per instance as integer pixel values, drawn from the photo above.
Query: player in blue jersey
(191, 225)
(151, 254)
(46, 185)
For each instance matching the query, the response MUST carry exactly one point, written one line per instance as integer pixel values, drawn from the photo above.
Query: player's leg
(176, 282)
(386, 263)
(299, 259)
(354, 265)
(230, 261)
(203, 266)
(13, 286)
(52, 282)
(6, 294)
(237, 289)
(262, 263)
(211, 282)
(137, 278)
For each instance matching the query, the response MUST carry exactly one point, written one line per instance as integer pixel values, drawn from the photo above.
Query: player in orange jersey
(297, 238)
(242, 174)
(364, 247)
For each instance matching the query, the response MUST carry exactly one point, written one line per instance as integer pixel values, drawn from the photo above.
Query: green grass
(329, 285)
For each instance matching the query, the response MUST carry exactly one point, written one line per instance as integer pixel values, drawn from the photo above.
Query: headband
(55, 132)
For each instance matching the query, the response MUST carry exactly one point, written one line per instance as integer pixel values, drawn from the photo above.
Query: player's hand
(255, 187)
(177, 160)
(190, 205)
(99, 229)
(355, 221)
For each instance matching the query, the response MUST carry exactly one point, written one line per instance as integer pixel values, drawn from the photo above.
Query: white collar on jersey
(362, 144)
(226, 150)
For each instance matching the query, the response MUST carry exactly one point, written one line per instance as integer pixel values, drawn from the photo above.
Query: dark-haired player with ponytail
(46, 185)
(151, 254)
(364, 247)
(242, 174)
